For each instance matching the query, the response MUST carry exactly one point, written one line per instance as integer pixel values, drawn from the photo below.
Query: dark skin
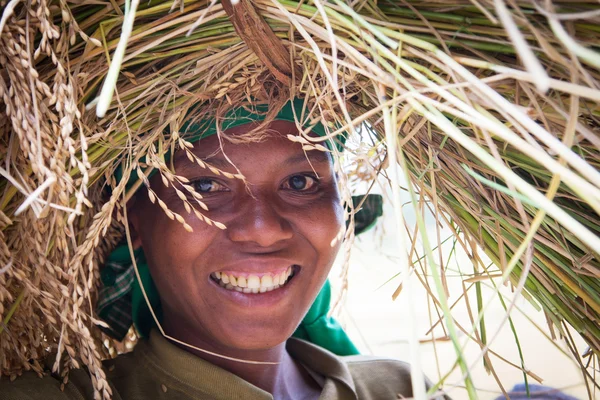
(285, 213)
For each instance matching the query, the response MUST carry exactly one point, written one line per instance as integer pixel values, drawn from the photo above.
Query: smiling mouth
(254, 283)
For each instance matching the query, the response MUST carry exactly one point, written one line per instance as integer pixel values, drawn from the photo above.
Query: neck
(273, 378)
(284, 378)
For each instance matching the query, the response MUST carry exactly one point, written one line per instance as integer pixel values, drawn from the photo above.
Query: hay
(495, 106)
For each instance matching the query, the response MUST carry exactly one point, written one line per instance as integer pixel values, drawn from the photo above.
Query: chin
(260, 335)
(252, 321)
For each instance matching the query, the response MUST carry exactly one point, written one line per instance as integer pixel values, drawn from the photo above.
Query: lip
(258, 266)
(258, 300)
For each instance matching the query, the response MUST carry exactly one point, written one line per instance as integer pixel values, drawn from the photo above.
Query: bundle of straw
(492, 106)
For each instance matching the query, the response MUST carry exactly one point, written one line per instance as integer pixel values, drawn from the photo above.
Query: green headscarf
(121, 301)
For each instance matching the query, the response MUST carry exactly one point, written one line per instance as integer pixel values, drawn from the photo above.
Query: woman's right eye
(206, 185)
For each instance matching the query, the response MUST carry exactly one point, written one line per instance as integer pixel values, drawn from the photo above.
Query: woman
(232, 298)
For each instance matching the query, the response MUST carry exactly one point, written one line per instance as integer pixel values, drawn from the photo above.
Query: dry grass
(505, 146)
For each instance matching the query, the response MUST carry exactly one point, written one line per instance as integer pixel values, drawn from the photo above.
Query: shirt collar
(324, 363)
(199, 375)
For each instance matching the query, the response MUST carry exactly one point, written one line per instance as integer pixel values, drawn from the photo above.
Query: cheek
(334, 215)
(322, 227)
(171, 251)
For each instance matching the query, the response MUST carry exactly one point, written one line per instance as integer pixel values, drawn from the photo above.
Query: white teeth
(266, 281)
(253, 283)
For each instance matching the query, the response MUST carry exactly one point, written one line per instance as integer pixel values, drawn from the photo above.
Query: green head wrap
(121, 301)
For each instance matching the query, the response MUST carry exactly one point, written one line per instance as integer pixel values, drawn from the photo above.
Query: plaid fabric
(114, 299)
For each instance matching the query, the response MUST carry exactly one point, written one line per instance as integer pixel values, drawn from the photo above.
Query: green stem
(12, 310)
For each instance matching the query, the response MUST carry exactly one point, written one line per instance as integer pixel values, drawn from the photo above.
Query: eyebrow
(184, 165)
(313, 156)
(310, 156)
(212, 159)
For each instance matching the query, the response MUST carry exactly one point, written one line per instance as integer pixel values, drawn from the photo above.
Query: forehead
(274, 148)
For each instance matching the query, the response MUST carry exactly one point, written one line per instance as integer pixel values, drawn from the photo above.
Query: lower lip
(257, 300)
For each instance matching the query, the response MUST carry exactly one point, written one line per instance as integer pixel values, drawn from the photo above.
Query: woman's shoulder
(360, 361)
(49, 386)
(359, 364)
(381, 377)
(32, 386)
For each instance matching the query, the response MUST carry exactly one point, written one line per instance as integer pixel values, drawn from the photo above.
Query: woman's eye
(208, 186)
(301, 183)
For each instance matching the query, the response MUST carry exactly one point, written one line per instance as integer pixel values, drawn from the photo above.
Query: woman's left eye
(301, 183)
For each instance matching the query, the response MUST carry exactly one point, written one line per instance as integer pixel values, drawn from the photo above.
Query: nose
(260, 223)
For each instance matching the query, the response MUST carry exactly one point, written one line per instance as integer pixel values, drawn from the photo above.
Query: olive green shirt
(157, 369)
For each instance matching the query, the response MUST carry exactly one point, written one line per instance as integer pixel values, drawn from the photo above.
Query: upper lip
(258, 264)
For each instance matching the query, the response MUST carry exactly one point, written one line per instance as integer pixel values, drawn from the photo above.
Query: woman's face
(246, 287)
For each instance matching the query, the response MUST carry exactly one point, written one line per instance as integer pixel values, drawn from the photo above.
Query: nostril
(261, 224)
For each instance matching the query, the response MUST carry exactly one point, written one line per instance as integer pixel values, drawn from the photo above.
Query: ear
(133, 220)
